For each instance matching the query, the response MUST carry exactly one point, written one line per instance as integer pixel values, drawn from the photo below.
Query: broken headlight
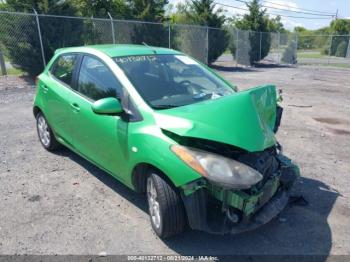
(217, 169)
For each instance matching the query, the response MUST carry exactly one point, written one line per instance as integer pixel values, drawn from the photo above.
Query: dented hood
(244, 119)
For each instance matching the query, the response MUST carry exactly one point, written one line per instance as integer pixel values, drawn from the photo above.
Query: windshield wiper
(163, 106)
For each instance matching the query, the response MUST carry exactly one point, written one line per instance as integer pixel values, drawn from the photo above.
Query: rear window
(63, 67)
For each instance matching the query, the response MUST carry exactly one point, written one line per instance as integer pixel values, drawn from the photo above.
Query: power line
(286, 10)
(304, 17)
(301, 17)
(298, 8)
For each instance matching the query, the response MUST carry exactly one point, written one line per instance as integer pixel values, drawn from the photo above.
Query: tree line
(331, 40)
(19, 35)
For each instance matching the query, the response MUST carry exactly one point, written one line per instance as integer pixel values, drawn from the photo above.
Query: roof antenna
(154, 51)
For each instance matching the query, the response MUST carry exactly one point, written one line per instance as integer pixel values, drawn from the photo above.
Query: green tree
(22, 45)
(255, 21)
(289, 54)
(148, 10)
(178, 13)
(204, 12)
(342, 48)
(151, 11)
(276, 25)
(97, 31)
(340, 26)
(100, 8)
(341, 29)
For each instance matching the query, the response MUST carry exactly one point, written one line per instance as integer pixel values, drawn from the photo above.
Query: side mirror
(107, 106)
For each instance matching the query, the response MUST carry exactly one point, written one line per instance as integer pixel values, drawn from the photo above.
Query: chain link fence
(246, 48)
(333, 50)
(190, 39)
(28, 41)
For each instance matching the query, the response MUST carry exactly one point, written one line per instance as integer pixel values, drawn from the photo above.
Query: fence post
(260, 46)
(237, 34)
(296, 48)
(348, 50)
(169, 34)
(40, 39)
(2, 64)
(278, 47)
(112, 26)
(330, 48)
(207, 45)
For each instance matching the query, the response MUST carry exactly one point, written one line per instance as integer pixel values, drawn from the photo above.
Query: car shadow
(224, 68)
(272, 65)
(298, 230)
(137, 199)
(255, 68)
(28, 80)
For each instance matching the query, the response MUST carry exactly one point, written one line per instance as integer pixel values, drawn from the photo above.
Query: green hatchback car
(162, 123)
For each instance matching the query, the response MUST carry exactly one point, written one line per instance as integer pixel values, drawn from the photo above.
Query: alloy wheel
(153, 203)
(43, 130)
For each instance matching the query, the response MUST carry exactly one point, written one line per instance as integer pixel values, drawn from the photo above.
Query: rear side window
(63, 68)
(96, 81)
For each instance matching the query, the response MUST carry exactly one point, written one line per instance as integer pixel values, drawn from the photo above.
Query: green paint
(98, 133)
(243, 201)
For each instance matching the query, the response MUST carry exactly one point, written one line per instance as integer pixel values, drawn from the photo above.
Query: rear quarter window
(63, 67)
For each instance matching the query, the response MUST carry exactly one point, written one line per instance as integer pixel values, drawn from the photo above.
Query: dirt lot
(61, 204)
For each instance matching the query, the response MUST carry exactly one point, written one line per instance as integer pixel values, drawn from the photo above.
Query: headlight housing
(217, 169)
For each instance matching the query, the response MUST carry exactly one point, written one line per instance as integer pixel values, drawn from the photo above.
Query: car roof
(114, 50)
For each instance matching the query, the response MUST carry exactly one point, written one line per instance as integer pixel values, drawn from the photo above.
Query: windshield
(166, 81)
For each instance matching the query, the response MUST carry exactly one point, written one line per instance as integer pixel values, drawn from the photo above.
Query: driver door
(98, 137)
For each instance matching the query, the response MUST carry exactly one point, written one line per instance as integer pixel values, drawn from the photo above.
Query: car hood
(244, 119)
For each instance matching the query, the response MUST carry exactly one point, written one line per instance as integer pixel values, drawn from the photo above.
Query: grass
(12, 70)
(15, 72)
(310, 55)
(338, 65)
(334, 65)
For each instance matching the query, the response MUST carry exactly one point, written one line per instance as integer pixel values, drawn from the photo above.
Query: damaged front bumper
(216, 210)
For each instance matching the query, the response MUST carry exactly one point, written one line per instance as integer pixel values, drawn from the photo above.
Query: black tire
(172, 212)
(51, 144)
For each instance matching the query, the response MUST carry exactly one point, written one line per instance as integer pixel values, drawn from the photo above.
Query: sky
(327, 6)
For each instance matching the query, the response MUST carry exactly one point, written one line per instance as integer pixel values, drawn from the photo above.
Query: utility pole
(336, 15)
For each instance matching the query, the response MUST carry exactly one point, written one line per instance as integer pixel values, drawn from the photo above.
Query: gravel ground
(61, 204)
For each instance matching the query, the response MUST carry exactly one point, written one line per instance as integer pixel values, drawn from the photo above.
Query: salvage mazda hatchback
(165, 125)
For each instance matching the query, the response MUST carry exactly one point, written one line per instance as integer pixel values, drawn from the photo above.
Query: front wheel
(46, 136)
(166, 209)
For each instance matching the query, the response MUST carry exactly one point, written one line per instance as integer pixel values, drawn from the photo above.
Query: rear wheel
(166, 209)
(46, 136)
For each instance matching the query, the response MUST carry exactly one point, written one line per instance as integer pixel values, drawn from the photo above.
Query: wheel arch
(139, 176)
(36, 110)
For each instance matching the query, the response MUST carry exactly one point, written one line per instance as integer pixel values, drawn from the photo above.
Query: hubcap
(153, 203)
(43, 130)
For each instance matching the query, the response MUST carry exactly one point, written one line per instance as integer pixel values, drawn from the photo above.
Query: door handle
(75, 107)
(44, 87)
